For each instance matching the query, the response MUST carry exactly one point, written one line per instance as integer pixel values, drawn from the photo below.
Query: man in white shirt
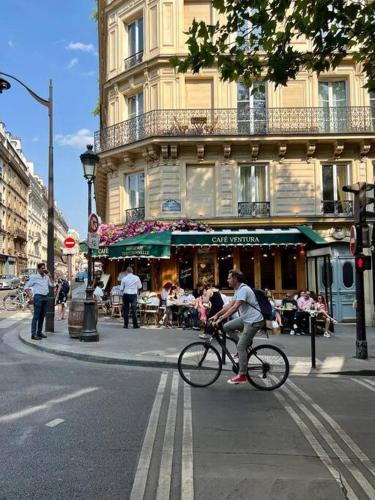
(130, 284)
(188, 299)
(39, 283)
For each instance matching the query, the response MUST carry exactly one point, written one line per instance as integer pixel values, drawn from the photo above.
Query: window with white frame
(253, 190)
(334, 199)
(251, 108)
(135, 188)
(333, 104)
(135, 115)
(135, 105)
(135, 43)
(372, 106)
(249, 32)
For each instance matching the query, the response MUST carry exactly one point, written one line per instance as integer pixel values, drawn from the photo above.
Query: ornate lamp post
(5, 85)
(89, 333)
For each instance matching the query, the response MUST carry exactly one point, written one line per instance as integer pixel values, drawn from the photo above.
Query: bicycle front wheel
(268, 367)
(11, 303)
(199, 364)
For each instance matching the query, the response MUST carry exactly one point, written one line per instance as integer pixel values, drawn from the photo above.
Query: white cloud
(83, 47)
(35, 139)
(72, 63)
(89, 73)
(78, 140)
(10, 44)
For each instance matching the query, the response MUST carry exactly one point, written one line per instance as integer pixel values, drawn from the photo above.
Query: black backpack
(264, 304)
(65, 287)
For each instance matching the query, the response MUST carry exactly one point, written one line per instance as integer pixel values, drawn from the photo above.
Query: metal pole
(361, 342)
(312, 337)
(89, 253)
(50, 315)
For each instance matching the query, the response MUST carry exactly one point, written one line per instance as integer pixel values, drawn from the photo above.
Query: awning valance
(150, 245)
(300, 235)
(101, 252)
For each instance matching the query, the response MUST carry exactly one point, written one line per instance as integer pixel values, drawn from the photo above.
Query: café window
(288, 270)
(135, 188)
(185, 270)
(334, 200)
(267, 270)
(247, 260)
(225, 264)
(206, 267)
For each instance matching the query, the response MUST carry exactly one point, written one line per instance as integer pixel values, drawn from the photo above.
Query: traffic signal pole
(361, 341)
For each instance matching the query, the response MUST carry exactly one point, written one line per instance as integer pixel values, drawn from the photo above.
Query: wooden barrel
(75, 318)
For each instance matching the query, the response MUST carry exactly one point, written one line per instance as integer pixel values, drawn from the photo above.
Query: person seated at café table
(275, 313)
(188, 299)
(305, 303)
(289, 306)
(100, 297)
(323, 314)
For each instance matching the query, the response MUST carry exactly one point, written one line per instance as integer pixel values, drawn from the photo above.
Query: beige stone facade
(14, 185)
(174, 145)
(37, 221)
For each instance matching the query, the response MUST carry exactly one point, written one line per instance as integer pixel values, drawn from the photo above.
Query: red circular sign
(69, 242)
(353, 240)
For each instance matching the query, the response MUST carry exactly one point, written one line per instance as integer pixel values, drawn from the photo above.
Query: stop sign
(69, 242)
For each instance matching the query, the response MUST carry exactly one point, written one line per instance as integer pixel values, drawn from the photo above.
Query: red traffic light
(363, 262)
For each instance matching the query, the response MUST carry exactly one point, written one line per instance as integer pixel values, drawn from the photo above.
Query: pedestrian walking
(39, 283)
(62, 291)
(130, 285)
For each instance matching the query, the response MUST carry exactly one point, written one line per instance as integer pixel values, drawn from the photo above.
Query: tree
(253, 39)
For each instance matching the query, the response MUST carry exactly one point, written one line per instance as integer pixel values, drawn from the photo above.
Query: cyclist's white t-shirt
(247, 313)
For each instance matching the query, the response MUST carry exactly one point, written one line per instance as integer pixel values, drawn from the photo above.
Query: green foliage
(254, 42)
(95, 12)
(96, 110)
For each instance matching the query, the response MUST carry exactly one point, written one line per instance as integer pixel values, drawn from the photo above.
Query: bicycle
(200, 363)
(19, 301)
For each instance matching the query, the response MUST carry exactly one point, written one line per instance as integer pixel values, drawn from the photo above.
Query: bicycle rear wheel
(11, 303)
(199, 364)
(268, 367)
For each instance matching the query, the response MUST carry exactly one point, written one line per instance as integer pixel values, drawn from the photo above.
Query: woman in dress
(62, 290)
(275, 314)
(323, 314)
(212, 297)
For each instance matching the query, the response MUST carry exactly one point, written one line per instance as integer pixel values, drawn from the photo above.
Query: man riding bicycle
(250, 320)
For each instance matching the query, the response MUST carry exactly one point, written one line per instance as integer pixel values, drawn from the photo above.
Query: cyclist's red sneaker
(238, 379)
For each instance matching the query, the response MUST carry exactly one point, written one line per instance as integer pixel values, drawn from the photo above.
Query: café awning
(150, 245)
(102, 251)
(301, 235)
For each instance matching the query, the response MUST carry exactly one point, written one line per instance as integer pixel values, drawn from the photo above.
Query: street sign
(93, 240)
(69, 242)
(93, 223)
(353, 240)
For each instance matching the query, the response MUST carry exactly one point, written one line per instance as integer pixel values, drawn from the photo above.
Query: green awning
(312, 235)
(289, 236)
(101, 252)
(150, 245)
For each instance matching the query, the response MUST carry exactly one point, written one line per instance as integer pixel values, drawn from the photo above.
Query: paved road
(70, 429)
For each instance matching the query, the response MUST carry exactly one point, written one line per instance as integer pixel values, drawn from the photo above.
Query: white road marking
(165, 474)
(187, 467)
(140, 479)
(333, 363)
(55, 422)
(332, 443)
(315, 445)
(372, 382)
(11, 417)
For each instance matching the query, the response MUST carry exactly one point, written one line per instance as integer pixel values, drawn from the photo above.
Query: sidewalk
(151, 346)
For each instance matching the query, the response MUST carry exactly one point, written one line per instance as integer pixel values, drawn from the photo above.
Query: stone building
(37, 221)
(61, 232)
(257, 165)
(14, 185)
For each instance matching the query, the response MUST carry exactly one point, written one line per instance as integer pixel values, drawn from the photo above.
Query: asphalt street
(72, 429)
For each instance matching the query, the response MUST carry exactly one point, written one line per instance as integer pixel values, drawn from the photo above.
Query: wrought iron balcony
(20, 234)
(254, 209)
(134, 214)
(233, 122)
(133, 60)
(338, 207)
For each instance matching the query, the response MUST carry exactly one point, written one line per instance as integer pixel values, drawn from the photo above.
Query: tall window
(372, 105)
(135, 105)
(333, 104)
(250, 33)
(135, 113)
(251, 108)
(253, 190)
(135, 186)
(334, 177)
(135, 37)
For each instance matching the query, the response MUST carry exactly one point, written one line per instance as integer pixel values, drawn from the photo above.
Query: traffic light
(363, 262)
(361, 200)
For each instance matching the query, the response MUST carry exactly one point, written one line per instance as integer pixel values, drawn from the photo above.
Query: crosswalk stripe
(165, 474)
(361, 382)
(187, 467)
(332, 443)
(141, 475)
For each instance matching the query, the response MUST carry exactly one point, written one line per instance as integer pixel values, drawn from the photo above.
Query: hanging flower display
(112, 233)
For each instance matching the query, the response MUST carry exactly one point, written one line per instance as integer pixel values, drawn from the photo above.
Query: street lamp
(89, 333)
(5, 85)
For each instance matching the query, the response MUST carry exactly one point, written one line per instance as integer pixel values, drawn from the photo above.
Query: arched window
(347, 274)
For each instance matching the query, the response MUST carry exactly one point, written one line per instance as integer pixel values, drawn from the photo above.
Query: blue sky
(42, 39)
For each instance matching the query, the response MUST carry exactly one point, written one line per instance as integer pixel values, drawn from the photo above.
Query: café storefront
(269, 258)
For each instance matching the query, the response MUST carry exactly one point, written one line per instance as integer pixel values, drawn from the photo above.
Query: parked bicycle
(16, 300)
(200, 363)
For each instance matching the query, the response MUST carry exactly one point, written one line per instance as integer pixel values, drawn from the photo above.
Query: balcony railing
(254, 209)
(336, 207)
(134, 59)
(20, 234)
(134, 214)
(233, 122)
